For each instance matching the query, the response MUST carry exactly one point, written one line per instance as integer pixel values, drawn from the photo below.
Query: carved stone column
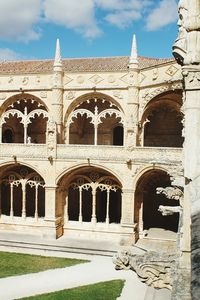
(192, 172)
(133, 98)
(127, 216)
(57, 103)
(54, 225)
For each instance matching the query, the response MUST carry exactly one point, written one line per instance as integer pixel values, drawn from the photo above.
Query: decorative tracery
(93, 111)
(25, 111)
(94, 184)
(18, 189)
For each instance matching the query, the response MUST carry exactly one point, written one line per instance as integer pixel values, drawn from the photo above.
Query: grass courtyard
(12, 264)
(108, 290)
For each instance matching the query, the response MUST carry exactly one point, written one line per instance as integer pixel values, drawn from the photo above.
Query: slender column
(36, 202)
(107, 206)
(80, 218)
(66, 214)
(67, 134)
(0, 199)
(23, 199)
(25, 133)
(95, 134)
(1, 134)
(11, 200)
(94, 219)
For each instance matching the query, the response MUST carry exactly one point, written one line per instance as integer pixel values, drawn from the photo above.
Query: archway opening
(92, 123)
(26, 117)
(22, 193)
(92, 196)
(150, 222)
(162, 122)
(118, 136)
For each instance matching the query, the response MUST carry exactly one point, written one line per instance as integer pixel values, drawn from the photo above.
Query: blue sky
(86, 28)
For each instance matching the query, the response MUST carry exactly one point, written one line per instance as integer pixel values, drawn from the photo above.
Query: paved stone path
(97, 270)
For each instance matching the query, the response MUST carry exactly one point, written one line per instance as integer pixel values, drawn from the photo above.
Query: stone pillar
(127, 216)
(57, 103)
(54, 225)
(192, 174)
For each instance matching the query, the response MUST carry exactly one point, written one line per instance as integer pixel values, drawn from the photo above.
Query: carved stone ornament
(172, 193)
(192, 79)
(3, 96)
(186, 48)
(155, 74)
(171, 71)
(111, 79)
(80, 79)
(96, 79)
(51, 136)
(153, 268)
(25, 80)
(43, 94)
(117, 94)
(70, 95)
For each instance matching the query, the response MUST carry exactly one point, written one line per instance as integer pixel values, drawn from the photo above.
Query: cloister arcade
(22, 193)
(95, 121)
(147, 201)
(24, 120)
(162, 121)
(90, 195)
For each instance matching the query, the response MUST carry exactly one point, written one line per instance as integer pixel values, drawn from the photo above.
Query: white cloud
(23, 19)
(17, 19)
(122, 13)
(123, 18)
(77, 15)
(164, 14)
(8, 54)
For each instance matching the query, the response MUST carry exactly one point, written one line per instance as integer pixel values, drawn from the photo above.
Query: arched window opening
(22, 194)
(8, 136)
(93, 197)
(118, 136)
(150, 221)
(27, 117)
(92, 121)
(161, 123)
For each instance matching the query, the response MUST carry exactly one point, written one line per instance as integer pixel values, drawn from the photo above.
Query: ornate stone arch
(149, 96)
(88, 121)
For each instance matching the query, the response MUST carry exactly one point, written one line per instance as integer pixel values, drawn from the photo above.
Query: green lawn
(108, 290)
(17, 264)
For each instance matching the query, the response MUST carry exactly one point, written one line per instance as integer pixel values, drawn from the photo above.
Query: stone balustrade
(104, 153)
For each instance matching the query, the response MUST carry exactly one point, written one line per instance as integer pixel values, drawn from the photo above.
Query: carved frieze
(171, 71)
(192, 80)
(67, 80)
(153, 268)
(96, 79)
(80, 79)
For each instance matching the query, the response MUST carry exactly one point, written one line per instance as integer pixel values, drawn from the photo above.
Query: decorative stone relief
(171, 71)
(3, 96)
(11, 79)
(51, 138)
(148, 96)
(141, 77)
(117, 94)
(37, 79)
(111, 79)
(153, 268)
(172, 193)
(155, 74)
(125, 78)
(67, 80)
(43, 94)
(25, 80)
(192, 79)
(80, 79)
(70, 95)
(96, 79)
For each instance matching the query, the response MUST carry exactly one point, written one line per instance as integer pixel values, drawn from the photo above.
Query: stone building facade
(84, 143)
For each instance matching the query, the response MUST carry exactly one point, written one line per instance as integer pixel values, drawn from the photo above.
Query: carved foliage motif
(152, 268)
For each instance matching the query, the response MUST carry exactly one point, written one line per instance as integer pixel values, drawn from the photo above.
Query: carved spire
(134, 56)
(58, 60)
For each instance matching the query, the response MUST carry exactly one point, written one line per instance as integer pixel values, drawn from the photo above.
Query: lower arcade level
(92, 192)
